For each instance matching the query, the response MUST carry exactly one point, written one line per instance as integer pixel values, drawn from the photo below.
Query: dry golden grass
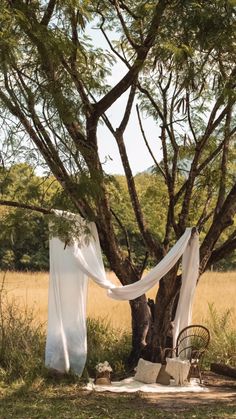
(31, 289)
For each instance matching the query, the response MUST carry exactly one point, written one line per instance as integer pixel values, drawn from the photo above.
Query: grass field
(31, 290)
(37, 395)
(68, 401)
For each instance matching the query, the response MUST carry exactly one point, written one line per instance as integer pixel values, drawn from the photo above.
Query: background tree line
(24, 235)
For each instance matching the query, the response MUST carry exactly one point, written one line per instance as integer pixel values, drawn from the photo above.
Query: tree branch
(227, 248)
(48, 12)
(25, 206)
(189, 117)
(223, 220)
(110, 44)
(124, 231)
(224, 161)
(147, 145)
(199, 170)
(54, 163)
(204, 216)
(128, 108)
(153, 246)
(142, 53)
(124, 27)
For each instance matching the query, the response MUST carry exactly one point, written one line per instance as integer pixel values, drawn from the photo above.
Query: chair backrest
(192, 341)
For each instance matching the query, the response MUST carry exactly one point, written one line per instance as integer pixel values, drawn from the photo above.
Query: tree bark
(160, 333)
(224, 370)
(141, 321)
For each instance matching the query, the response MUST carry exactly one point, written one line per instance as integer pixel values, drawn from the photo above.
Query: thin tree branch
(48, 12)
(144, 264)
(151, 243)
(142, 52)
(189, 117)
(147, 145)
(79, 85)
(225, 249)
(127, 9)
(156, 107)
(223, 220)
(199, 170)
(124, 26)
(54, 164)
(204, 216)
(110, 44)
(124, 231)
(25, 206)
(128, 108)
(224, 161)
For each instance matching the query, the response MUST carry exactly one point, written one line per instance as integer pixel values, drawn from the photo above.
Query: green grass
(28, 391)
(222, 348)
(45, 400)
(107, 344)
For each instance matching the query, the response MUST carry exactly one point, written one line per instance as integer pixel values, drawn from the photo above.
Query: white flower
(102, 367)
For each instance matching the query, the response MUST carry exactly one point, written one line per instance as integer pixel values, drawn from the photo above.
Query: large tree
(180, 61)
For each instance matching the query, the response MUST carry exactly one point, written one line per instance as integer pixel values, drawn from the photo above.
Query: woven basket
(103, 378)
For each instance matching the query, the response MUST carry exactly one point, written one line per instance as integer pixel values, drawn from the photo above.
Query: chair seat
(191, 345)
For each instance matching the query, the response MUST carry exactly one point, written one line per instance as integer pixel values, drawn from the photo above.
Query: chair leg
(200, 374)
(195, 371)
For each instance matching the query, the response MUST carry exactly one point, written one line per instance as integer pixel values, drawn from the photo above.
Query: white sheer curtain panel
(70, 267)
(66, 345)
(190, 273)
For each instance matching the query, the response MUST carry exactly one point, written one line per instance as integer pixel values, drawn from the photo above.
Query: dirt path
(221, 390)
(181, 401)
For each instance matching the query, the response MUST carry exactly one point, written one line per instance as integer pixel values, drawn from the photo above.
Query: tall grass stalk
(107, 344)
(222, 348)
(22, 341)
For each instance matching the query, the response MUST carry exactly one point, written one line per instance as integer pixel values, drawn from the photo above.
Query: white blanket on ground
(129, 385)
(70, 266)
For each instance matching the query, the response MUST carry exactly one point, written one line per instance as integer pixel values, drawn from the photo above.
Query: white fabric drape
(66, 345)
(129, 292)
(91, 264)
(190, 272)
(70, 266)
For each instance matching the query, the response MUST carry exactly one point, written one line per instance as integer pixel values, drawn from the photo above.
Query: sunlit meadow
(31, 290)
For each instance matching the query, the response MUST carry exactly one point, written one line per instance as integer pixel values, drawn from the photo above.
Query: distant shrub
(222, 348)
(107, 344)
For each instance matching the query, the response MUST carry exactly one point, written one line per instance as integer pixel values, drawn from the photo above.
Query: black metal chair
(191, 344)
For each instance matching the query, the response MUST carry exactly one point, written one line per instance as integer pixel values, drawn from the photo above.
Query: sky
(139, 156)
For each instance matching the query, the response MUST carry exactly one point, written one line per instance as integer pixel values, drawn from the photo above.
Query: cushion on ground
(163, 377)
(147, 371)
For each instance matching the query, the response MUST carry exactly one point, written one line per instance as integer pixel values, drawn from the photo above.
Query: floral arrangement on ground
(103, 367)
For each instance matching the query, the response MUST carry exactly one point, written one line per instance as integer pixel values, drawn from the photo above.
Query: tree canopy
(179, 58)
(24, 234)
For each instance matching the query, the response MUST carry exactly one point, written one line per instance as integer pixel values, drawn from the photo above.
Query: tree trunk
(224, 369)
(141, 322)
(160, 332)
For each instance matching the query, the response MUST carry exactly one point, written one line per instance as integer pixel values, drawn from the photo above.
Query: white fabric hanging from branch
(70, 266)
(190, 273)
(66, 345)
